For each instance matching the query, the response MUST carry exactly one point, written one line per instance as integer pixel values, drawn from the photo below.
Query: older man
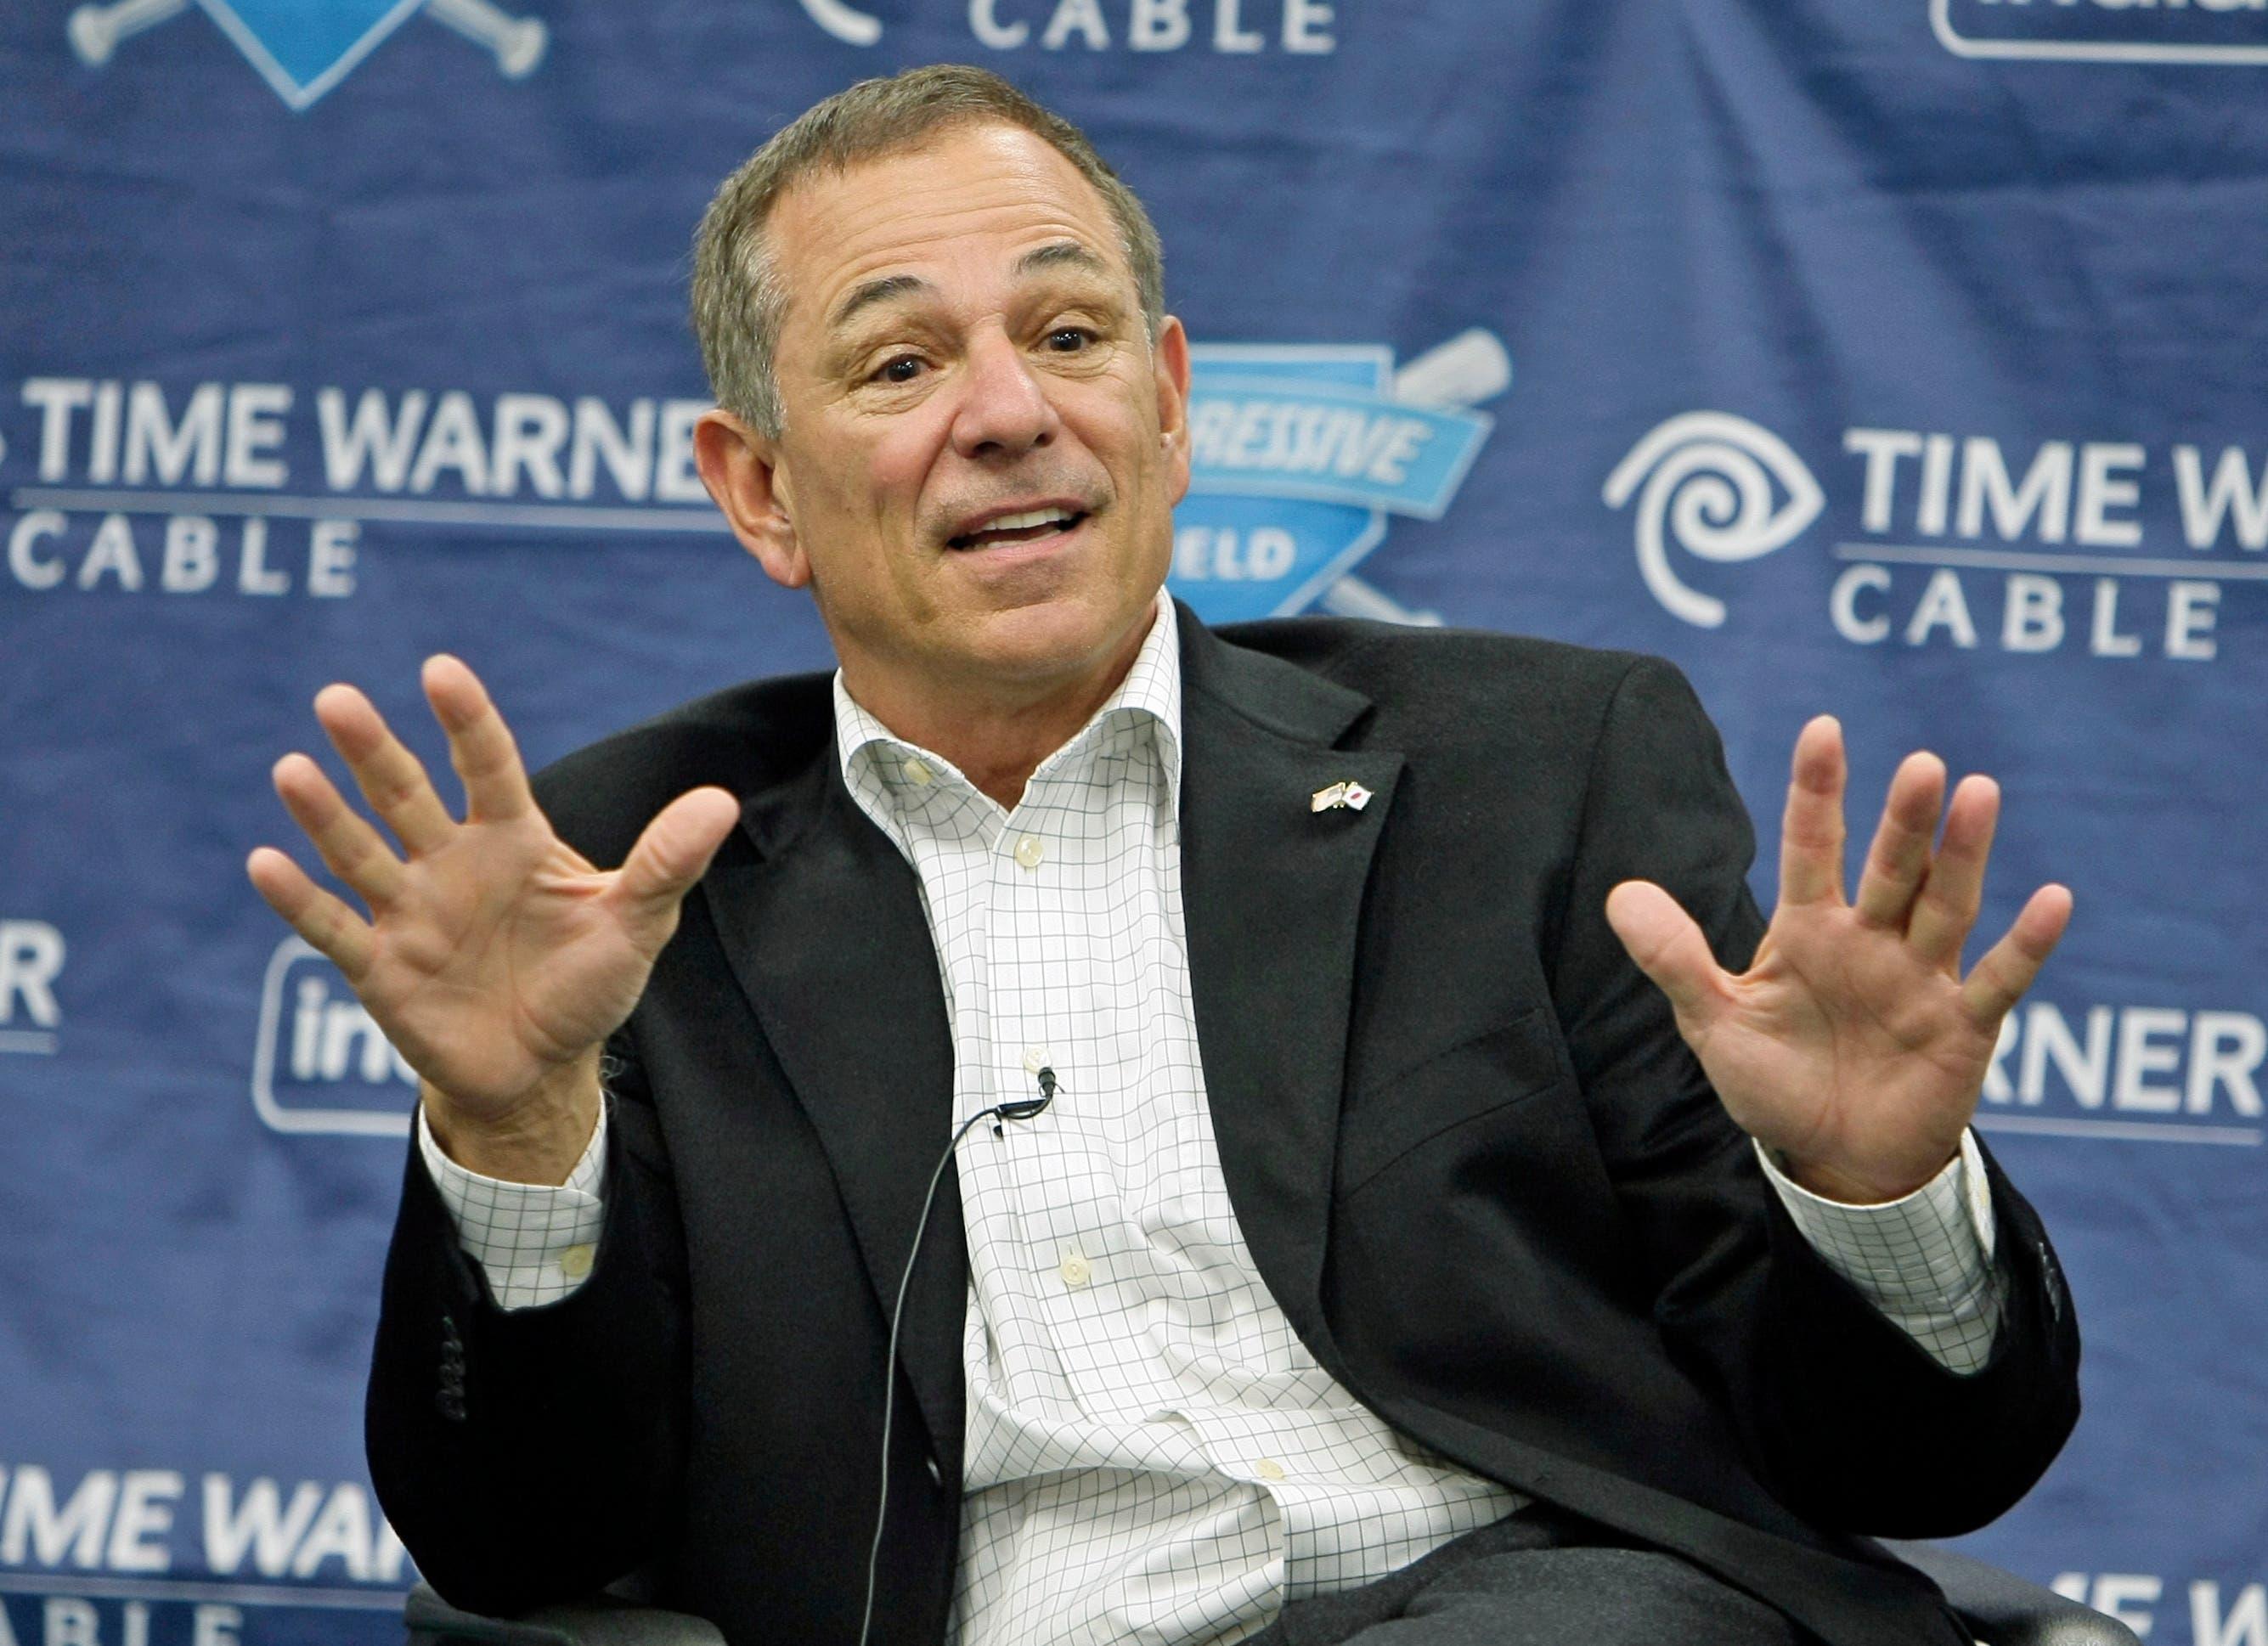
(1394, 1262)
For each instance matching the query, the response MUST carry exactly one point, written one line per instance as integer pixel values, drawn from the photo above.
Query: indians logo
(304, 48)
(321, 1064)
(2226, 34)
(1300, 451)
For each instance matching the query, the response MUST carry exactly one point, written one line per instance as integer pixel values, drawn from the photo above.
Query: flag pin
(1339, 796)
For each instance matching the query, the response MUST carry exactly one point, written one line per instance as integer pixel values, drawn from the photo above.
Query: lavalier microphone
(1027, 1108)
(1019, 1109)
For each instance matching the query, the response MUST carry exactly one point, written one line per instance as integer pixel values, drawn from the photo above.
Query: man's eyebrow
(1061, 255)
(887, 289)
(890, 288)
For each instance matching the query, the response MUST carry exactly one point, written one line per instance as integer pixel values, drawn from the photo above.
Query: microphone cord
(1021, 1109)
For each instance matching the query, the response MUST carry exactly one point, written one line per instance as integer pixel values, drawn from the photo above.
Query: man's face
(982, 449)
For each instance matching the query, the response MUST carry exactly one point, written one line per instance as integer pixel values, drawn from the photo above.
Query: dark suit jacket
(1473, 1161)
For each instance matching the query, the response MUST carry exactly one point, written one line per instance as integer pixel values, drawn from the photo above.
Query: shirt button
(1035, 1059)
(575, 1261)
(1269, 1469)
(1029, 852)
(918, 773)
(1076, 1271)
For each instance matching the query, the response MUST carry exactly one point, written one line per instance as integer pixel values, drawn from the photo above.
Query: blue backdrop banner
(1906, 359)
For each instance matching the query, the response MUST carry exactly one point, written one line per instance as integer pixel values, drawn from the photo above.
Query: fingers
(1811, 829)
(1999, 979)
(1946, 908)
(481, 745)
(388, 774)
(1900, 855)
(349, 846)
(325, 921)
(674, 853)
(1668, 948)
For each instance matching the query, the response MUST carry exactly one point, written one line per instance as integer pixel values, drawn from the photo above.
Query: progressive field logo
(1299, 452)
(303, 48)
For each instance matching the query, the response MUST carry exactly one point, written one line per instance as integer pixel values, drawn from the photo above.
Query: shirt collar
(1151, 694)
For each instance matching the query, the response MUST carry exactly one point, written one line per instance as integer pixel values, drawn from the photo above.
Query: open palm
(1854, 1046)
(494, 954)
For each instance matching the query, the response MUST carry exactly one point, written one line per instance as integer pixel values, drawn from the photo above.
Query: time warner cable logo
(1145, 25)
(31, 958)
(1964, 541)
(1707, 478)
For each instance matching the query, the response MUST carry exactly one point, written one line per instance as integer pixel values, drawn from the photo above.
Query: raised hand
(496, 958)
(1854, 1046)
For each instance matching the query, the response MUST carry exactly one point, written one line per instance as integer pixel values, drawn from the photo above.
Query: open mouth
(1020, 528)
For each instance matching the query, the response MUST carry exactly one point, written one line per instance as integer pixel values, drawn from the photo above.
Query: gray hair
(738, 301)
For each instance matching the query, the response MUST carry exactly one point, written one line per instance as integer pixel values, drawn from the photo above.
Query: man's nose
(1005, 410)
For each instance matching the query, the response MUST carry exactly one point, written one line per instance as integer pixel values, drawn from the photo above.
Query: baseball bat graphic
(517, 43)
(850, 27)
(1470, 368)
(96, 30)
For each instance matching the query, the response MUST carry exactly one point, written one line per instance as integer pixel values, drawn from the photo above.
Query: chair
(600, 1622)
(2001, 1608)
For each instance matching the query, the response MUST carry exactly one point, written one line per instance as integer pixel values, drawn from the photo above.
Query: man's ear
(740, 467)
(1171, 356)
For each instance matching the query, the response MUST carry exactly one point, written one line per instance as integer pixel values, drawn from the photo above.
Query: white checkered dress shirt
(1151, 1455)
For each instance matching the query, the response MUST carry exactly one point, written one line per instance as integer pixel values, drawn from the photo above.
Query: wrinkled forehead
(970, 204)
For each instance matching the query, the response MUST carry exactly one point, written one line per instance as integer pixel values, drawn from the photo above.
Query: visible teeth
(1018, 522)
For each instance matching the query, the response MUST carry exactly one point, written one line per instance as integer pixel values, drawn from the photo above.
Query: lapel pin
(1339, 797)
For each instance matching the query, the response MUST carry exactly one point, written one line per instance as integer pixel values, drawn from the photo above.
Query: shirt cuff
(1925, 1262)
(535, 1241)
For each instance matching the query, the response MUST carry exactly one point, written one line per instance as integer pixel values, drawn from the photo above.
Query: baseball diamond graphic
(304, 47)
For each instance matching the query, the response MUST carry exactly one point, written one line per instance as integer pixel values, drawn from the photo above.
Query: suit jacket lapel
(821, 920)
(1273, 895)
(818, 910)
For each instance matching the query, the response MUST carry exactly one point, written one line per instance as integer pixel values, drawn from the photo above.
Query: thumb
(674, 853)
(1666, 946)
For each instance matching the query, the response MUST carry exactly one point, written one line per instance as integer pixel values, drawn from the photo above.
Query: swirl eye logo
(1705, 479)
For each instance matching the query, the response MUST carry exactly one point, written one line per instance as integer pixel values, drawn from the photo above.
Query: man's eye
(901, 369)
(1069, 339)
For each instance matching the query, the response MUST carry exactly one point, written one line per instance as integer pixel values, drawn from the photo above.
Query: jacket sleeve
(1845, 1418)
(535, 1455)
